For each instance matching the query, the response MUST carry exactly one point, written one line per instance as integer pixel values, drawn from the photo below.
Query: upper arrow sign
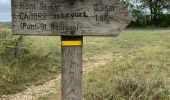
(69, 17)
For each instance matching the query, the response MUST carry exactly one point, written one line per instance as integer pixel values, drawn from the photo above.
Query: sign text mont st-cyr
(61, 17)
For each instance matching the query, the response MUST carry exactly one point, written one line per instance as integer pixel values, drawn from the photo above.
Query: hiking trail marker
(70, 19)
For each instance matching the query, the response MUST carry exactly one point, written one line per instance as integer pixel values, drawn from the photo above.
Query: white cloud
(5, 1)
(5, 10)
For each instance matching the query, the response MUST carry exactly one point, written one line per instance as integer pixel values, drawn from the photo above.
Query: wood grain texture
(69, 17)
(71, 70)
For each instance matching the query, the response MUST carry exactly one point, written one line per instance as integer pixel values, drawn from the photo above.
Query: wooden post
(71, 67)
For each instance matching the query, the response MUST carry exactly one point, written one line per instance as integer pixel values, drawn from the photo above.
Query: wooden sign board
(69, 17)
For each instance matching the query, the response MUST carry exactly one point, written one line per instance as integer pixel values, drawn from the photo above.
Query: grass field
(141, 71)
(141, 74)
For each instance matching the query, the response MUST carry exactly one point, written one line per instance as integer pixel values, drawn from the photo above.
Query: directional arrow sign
(69, 17)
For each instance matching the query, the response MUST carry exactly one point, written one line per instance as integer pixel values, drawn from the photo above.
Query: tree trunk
(151, 11)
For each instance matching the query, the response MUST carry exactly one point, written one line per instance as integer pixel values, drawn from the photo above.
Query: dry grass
(138, 70)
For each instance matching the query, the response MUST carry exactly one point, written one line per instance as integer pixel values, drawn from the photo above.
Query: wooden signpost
(70, 19)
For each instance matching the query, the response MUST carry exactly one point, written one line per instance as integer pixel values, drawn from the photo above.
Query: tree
(156, 8)
(135, 9)
(146, 12)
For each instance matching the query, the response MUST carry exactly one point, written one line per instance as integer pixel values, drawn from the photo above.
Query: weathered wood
(71, 70)
(69, 17)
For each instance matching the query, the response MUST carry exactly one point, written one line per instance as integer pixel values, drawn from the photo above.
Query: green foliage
(24, 63)
(5, 24)
(148, 12)
(12, 46)
(142, 20)
(164, 20)
(141, 72)
(141, 75)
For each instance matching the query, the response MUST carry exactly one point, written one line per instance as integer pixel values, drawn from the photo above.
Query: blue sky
(5, 10)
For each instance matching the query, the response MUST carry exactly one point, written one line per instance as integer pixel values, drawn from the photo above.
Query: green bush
(11, 46)
(23, 64)
(142, 20)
